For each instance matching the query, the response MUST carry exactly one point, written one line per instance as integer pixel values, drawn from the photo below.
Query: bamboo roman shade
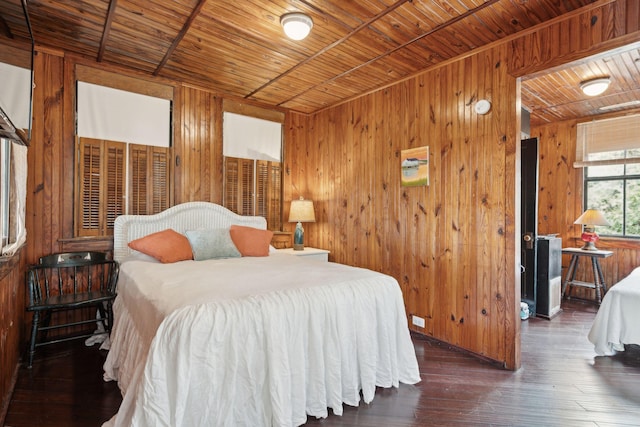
(619, 136)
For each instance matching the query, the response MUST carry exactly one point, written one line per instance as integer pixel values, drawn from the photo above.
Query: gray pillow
(211, 244)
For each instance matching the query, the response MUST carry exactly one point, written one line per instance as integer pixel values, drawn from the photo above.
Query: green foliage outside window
(615, 191)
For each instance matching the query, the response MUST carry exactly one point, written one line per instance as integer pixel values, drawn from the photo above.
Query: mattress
(263, 341)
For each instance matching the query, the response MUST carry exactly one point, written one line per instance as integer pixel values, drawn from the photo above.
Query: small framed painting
(415, 167)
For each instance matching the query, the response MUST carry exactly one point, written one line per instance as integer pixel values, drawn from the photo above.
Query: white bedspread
(253, 341)
(618, 319)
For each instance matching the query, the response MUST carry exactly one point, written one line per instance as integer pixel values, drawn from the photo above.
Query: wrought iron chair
(70, 281)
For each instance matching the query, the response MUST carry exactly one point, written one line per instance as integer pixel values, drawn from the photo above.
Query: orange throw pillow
(166, 246)
(251, 241)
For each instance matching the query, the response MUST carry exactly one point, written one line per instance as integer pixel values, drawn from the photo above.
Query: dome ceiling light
(296, 25)
(595, 86)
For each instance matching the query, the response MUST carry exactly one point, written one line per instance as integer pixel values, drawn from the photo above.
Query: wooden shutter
(161, 169)
(246, 180)
(149, 179)
(138, 172)
(115, 182)
(268, 190)
(100, 183)
(238, 178)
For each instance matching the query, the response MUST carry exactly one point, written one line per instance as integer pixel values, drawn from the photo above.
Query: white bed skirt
(265, 360)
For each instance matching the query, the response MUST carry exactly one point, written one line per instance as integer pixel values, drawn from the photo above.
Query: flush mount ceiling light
(296, 25)
(595, 86)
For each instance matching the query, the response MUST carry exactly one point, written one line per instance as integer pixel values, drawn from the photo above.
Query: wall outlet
(418, 321)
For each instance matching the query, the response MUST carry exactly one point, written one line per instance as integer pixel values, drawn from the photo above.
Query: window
(5, 177)
(252, 168)
(102, 179)
(13, 195)
(610, 152)
(113, 177)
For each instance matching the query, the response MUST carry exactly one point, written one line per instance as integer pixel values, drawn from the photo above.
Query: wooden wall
(12, 295)
(198, 146)
(560, 201)
(450, 245)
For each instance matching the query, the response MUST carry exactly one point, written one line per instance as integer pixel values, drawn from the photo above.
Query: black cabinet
(549, 276)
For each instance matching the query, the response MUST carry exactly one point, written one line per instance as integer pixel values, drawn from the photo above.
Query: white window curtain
(17, 200)
(620, 135)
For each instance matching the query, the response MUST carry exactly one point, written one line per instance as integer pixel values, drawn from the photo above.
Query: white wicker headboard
(183, 217)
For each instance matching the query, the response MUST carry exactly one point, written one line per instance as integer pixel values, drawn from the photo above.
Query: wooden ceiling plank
(180, 36)
(336, 43)
(107, 28)
(355, 46)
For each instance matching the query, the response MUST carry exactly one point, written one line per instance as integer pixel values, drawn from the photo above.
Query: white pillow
(212, 244)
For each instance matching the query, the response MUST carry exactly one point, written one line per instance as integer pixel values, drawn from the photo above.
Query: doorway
(529, 221)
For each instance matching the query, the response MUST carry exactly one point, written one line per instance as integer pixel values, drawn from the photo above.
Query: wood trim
(231, 106)
(15, 56)
(118, 81)
(101, 244)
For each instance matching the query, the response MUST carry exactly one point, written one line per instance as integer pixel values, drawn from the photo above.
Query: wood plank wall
(12, 314)
(198, 146)
(451, 244)
(444, 243)
(560, 198)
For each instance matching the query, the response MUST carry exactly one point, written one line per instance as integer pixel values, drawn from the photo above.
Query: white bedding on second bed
(281, 337)
(618, 319)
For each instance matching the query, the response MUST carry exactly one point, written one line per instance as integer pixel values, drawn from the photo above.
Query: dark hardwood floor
(561, 383)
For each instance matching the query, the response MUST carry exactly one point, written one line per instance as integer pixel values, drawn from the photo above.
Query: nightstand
(309, 253)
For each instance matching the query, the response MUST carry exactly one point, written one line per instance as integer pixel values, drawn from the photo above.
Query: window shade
(619, 134)
(250, 138)
(15, 87)
(118, 115)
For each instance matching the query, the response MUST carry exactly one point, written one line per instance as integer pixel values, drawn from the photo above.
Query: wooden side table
(598, 278)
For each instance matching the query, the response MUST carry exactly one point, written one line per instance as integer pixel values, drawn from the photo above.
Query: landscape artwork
(415, 167)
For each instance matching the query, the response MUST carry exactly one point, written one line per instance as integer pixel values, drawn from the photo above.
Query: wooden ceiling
(555, 95)
(238, 48)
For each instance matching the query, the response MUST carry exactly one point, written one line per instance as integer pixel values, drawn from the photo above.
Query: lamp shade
(296, 25)
(595, 86)
(301, 211)
(592, 217)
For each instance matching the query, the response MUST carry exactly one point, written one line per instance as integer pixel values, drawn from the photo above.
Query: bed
(617, 322)
(249, 340)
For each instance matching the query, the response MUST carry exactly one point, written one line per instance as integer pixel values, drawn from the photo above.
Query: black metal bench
(70, 281)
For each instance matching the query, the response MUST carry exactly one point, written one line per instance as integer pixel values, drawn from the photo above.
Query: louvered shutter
(138, 169)
(88, 212)
(115, 182)
(231, 181)
(100, 184)
(268, 190)
(149, 179)
(274, 218)
(238, 178)
(161, 190)
(247, 187)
